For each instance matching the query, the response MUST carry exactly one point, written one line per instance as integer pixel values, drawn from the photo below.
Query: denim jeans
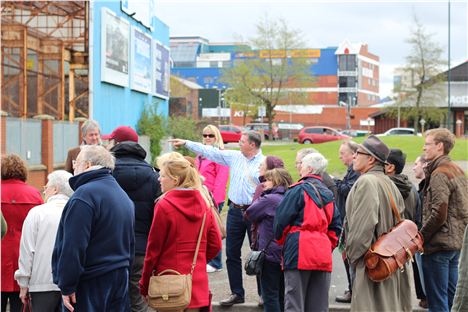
(272, 283)
(440, 271)
(236, 227)
(216, 262)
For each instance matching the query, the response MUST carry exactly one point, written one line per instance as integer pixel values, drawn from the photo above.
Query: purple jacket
(262, 212)
(216, 177)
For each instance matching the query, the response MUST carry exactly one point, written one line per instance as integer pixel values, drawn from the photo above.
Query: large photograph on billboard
(115, 33)
(161, 70)
(141, 61)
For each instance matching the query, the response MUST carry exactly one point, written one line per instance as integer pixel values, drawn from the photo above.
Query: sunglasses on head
(208, 135)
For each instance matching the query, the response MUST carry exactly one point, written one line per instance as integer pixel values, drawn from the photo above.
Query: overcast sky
(383, 25)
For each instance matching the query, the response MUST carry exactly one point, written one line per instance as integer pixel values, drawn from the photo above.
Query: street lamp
(368, 125)
(422, 122)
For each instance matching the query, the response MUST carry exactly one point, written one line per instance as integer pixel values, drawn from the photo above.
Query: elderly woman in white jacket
(34, 274)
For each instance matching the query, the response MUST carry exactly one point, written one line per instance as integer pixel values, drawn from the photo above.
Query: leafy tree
(152, 125)
(423, 65)
(262, 80)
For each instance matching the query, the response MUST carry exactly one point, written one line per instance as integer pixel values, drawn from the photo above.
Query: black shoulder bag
(254, 263)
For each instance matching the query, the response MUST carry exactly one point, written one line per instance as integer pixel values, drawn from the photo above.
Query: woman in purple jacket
(215, 179)
(262, 212)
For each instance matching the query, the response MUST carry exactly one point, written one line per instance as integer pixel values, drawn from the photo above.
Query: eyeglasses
(430, 143)
(208, 136)
(362, 153)
(45, 187)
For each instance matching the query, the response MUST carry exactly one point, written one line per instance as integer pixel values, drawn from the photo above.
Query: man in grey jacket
(369, 215)
(445, 216)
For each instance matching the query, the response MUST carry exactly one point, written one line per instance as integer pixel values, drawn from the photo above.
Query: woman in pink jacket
(215, 179)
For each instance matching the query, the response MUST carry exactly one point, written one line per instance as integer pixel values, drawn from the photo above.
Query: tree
(261, 80)
(423, 66)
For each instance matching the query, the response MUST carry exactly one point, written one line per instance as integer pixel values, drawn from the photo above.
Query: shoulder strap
(194, 262)
(320, 198)
(394, 208)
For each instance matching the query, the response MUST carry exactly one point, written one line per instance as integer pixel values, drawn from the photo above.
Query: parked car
(399, 131)
(230, 133)
(320, 135)
(263, 127)
(355, 133)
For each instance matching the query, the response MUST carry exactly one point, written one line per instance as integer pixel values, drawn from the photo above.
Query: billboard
(161, 70)
(115, 33)
(141, 61)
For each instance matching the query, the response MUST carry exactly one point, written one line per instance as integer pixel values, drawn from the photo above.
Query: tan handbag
(214, 209)
(393, 249)
(170, 290)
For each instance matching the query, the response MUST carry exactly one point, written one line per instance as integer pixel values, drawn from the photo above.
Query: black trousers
(15, 302)
(46, 301)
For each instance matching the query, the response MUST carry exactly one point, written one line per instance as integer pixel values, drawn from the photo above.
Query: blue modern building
(129, 62)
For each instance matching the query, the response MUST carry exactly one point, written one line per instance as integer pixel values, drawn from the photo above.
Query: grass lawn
(411, 145)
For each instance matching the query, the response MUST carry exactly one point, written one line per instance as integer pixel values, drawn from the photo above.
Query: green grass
(412, 146)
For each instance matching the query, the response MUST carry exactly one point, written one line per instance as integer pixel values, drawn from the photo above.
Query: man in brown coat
(91, 135)
(369, 215)
(445, 216)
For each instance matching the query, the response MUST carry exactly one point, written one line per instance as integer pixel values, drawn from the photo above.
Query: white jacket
(37, 244)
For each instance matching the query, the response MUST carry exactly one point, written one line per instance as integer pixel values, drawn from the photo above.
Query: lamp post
(422, 122)
(200, 107)
(368, 125)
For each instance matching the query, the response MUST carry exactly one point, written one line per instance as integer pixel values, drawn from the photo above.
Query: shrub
(152, 125)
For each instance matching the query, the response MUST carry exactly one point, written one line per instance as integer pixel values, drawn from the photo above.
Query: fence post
(48, 145)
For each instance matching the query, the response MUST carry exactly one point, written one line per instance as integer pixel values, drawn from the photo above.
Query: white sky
(383, 25)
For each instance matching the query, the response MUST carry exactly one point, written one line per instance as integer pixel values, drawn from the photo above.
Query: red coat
(173, 238)
(17, 199)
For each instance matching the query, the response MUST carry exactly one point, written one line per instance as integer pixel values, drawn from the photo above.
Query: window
(347, 62)
(347, 82)
(314, 130)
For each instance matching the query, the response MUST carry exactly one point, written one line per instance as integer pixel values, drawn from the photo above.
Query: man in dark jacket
(140, 181)
(445, 216)
(346, 152)
(396, 161)
(95, 241)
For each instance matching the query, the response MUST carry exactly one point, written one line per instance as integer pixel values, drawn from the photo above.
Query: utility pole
(448, 73)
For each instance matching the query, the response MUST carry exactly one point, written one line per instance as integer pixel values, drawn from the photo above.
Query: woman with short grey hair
(34, 274)
(314, 163)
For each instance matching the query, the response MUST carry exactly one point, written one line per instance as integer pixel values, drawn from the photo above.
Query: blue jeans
(440, 271)
(272, 282)
(236, 227)
(216, 262)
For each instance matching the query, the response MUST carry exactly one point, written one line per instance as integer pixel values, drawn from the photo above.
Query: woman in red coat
(17, 199)
(176, 223)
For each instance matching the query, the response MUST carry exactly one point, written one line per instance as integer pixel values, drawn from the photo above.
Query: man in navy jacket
(140, 181)
(94, 246)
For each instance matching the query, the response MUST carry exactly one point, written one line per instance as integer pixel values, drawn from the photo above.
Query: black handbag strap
(268, 244)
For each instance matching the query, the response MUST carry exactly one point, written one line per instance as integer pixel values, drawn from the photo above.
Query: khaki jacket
(445, 206)
(460, 303)
(369, 215)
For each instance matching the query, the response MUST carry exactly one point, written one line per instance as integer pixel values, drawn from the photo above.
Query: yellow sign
(30, 63)
(306, 53)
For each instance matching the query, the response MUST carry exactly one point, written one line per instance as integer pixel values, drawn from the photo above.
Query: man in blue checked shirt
(244, 166)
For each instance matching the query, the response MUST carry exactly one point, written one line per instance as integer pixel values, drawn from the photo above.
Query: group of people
(114, 221)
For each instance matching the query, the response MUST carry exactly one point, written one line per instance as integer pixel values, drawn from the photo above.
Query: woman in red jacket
(173, 236)
(17, 199)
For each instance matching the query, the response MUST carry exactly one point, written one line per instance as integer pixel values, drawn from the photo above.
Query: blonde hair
(166, 157)
(183, 172)
(279, 177)
(219, 140)
(444, 136)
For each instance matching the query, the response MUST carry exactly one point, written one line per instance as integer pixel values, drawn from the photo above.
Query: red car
(230, 133)
(309, 135)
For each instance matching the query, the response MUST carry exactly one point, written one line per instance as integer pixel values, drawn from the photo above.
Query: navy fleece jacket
(95, 234)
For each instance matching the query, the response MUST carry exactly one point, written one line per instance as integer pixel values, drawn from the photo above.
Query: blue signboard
(161, 70)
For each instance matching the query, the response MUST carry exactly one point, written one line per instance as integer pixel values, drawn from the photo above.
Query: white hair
(59, 180)
(89, 125)
(97, 155)
(306, 151)
(316, 162)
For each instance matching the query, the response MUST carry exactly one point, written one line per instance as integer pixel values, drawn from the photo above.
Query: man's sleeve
(362, 219)
(77, 224)
(222, 157)
(68, 162)
(440, 192)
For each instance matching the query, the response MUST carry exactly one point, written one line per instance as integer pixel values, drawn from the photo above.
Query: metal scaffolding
(44, 48)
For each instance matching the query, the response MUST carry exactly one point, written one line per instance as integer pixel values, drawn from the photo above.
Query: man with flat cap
(369, 215)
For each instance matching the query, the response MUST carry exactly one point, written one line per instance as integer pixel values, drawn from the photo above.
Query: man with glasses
(368, 216)
(445, 216)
